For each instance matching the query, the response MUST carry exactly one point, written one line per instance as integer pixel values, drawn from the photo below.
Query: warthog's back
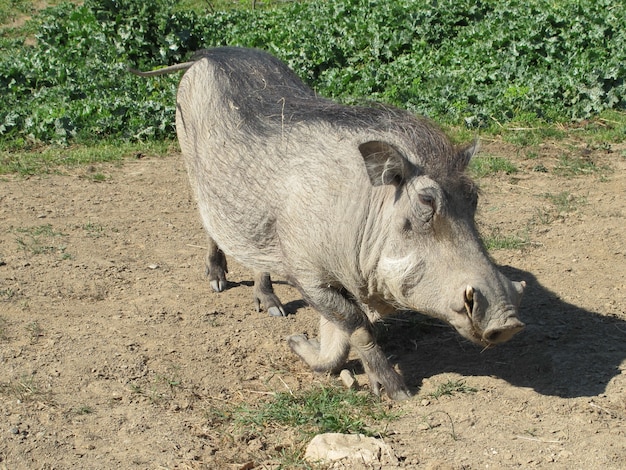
(267, 156)
(252, 134)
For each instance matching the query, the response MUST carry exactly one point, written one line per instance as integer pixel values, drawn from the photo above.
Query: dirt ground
(114, 353)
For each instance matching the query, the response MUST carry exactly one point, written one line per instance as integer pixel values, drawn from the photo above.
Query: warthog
(366, 210)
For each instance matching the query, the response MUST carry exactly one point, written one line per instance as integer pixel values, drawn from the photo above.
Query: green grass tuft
(482, 166)
(318, 410)
(450, 388)
(52, 159)
(573, 165)
(39, 239)
(496, 240)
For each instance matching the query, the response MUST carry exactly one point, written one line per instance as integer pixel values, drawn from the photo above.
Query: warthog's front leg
(379, 371)
(344, 324)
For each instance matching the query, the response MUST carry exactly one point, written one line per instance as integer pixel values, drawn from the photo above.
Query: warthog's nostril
(503, 333)
(492, 336)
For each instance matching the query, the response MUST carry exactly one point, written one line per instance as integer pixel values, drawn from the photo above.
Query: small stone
(15, 431)
(153, 266)
(348, 379)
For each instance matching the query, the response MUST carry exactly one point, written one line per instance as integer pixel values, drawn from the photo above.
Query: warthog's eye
(427, 200)
(427, 206)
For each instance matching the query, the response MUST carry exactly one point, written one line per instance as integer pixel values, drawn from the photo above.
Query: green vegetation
(93, 230)
(572, 165)
(315, 411)
(10, 9)
(301, 415)
(40, 239)
(496, 240)
(479, 64)
(561, 204)
(47, 159)
(25, 389)
(487, 165)
(565, 201)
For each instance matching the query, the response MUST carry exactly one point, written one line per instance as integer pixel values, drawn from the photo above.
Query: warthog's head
(431, 259)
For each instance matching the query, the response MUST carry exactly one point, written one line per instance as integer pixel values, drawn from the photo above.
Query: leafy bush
(454, 60)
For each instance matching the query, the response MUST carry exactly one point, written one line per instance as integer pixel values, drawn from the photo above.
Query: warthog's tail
(163, 71)
(172, 68)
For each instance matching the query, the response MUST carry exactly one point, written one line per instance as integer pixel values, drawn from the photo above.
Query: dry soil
(114, 352)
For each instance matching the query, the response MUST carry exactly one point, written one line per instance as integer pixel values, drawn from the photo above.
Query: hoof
(276, 312)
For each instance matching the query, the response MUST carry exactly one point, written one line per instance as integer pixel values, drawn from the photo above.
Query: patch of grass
(309, 412)
(24, 389)
(83, 410)
(609, 126)
(543, 216)
(98, 177)
(35, 331)
(93, 230)
(160, 388)
(573, 165)
(450, 388)
(482, 166)
(562, 203)
(38, 240)
(35, 161)
(45, 230)
(7, 294)
(318, 410)
(10, 10)
(533, 135)
(496, 240)
(565, 201)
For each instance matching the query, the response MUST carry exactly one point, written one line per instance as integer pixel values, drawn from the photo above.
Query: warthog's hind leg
(326, 355)
(264, 295)
(216, 268)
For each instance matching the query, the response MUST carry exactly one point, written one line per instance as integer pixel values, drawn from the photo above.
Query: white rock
(332, 447)
(348, 379)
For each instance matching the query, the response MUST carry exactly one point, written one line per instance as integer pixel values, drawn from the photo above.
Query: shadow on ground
(564, 351)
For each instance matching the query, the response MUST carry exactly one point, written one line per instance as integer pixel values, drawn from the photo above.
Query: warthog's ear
(384, 164)
(466, 153)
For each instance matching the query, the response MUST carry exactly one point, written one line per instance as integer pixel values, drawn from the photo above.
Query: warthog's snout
(502, 326)
(504, 332)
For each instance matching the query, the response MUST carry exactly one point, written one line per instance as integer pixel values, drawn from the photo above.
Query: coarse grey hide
(366, 210)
